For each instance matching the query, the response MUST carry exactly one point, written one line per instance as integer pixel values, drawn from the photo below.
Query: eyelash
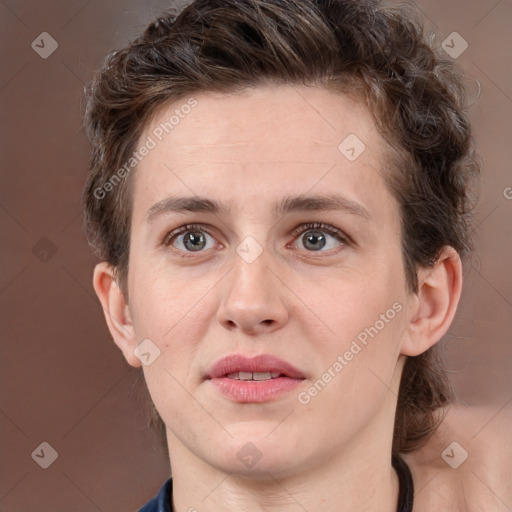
(331, 230)
(320, 226)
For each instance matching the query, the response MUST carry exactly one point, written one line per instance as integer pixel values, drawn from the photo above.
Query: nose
(252, 297)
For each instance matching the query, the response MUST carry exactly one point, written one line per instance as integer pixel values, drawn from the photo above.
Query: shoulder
(466, 465)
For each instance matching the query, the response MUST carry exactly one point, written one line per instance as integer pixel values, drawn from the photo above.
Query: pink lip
(261, 363)
(254, 391)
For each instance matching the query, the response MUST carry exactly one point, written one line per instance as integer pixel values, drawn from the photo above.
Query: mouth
(256, 379)
(258, 376)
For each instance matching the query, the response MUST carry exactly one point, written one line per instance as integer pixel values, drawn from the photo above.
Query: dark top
(162, 502)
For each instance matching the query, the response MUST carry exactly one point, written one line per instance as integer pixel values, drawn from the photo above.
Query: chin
(252, 453)
(263, 470)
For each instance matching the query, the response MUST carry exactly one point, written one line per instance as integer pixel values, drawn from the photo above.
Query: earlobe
(435, 303)
(117, 312)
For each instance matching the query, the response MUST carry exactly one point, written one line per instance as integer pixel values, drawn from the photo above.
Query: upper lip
(261, 363)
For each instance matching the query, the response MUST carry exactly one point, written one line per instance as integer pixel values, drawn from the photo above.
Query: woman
(279, 193)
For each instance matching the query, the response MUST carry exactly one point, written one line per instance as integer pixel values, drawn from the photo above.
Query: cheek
(176, 317)
(351, 302)
(163, 303)
(357, 366)
(367, 335)
(173, 317)
(366, 320)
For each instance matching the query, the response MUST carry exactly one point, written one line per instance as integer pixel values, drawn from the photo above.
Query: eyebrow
(289, 204)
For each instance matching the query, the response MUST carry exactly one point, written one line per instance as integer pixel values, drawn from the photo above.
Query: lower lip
(255, 391)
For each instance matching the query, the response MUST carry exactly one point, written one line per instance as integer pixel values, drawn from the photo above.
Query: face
(247, 264)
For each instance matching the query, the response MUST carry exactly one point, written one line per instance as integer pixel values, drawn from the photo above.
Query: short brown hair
(416, 95)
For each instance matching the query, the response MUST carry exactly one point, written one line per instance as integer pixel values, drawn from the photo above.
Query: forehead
(274, 115)
(262, 143)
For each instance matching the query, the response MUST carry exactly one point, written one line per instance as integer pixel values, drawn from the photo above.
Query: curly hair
(378, 54)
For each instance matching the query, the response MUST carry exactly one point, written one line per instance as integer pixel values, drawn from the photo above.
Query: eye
(190, 238)
(314, 237)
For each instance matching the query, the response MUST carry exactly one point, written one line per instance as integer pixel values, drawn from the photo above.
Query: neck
(362, 478)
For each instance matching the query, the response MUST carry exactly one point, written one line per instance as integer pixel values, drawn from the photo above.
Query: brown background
(63, 379)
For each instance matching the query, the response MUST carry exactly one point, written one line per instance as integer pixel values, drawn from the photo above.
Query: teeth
(253, 375)
(261, 376)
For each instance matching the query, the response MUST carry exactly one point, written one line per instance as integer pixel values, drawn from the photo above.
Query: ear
(433, 307)
(117, 312)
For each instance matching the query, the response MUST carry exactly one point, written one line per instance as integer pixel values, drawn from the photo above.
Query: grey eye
(314, 240)
(194, 240)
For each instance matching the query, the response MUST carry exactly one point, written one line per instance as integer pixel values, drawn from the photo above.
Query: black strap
(406, 492)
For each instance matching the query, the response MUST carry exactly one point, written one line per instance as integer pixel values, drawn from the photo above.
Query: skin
(482, 480)
(249, 151)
